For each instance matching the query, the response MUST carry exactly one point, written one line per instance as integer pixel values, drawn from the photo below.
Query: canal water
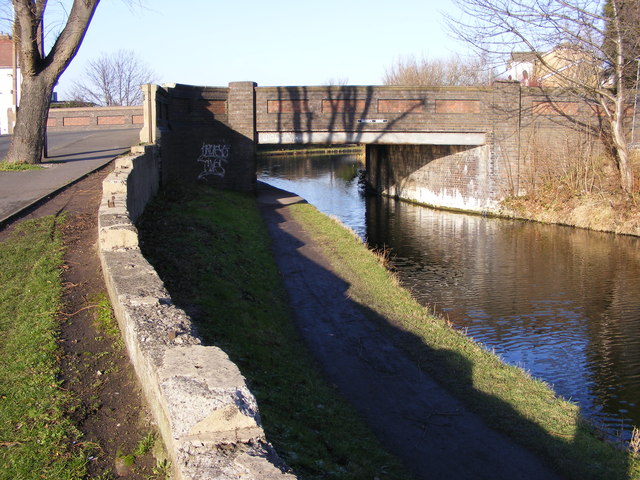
(562, 303)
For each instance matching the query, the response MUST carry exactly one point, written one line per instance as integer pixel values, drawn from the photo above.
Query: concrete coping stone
(208, 418)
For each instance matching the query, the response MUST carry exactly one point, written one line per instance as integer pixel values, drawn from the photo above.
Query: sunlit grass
(18, 167)
(36, 437)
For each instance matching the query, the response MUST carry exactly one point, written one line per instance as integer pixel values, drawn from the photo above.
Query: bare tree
(113, 80)
(628, 12)
(40, 70)
(451, 71)
(581, 33)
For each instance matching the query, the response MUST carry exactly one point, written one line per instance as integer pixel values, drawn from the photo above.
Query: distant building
(10, 80)
(555, 68)
(521, 68)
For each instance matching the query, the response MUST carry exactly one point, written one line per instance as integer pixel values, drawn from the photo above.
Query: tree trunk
(620, 142)
(31, 119)
(626, 172)
(40, 72)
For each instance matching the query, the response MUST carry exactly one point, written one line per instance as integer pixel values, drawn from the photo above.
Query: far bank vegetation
(574, 181)
(589, 51)
(454, 70)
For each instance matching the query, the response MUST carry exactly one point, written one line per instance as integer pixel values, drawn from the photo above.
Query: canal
(562, 303)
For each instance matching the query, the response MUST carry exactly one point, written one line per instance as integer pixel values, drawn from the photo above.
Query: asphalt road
(72, 155)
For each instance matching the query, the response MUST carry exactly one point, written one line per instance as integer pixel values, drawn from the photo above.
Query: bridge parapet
(487, 134)
(372, 115)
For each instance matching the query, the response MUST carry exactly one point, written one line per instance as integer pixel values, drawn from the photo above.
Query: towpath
(414, 417)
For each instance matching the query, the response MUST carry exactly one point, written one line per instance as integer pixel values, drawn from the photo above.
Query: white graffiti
(213, 156)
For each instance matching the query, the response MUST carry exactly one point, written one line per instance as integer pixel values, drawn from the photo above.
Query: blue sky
(209, 42)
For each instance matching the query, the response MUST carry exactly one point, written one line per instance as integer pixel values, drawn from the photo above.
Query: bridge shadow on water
(372, 363)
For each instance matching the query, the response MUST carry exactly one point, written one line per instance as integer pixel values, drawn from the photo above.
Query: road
(72, 154)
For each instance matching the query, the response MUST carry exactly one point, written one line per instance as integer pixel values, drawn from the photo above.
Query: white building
(10, 79)
(521, 67)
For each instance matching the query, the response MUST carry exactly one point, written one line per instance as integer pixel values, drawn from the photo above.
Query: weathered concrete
(207, 416)
(450, 176)
(388, 138)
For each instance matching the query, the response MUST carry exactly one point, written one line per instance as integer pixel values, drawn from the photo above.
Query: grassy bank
(505, 396)
(18, 167)
(603, 212)
(36, 436)
(212, 250)
(580, 192)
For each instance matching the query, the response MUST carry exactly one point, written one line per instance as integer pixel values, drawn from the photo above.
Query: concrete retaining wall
(207, 416)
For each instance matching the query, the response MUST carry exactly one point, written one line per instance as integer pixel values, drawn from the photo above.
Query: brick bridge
(454, 147)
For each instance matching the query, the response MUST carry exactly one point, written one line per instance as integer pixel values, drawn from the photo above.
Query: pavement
(71, 156)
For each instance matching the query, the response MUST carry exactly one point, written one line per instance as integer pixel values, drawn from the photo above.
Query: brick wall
(209, 133)
(398, 109)
(95, 118)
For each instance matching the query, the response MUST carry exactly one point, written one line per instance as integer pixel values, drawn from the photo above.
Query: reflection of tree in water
(343, 167)
(565, 300)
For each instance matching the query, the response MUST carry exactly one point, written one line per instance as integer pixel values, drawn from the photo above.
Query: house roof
(520, 57)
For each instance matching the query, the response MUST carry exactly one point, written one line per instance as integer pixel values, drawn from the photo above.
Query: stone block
(207, 396)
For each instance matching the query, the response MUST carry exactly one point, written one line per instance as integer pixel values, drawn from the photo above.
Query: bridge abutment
(449, 176)
(206, 134)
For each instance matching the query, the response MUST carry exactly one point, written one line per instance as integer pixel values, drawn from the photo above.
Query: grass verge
(212, 251)
(506, 396)
(36, 436)
(18, 167)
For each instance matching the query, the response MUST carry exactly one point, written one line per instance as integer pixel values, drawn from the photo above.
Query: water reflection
(328, 182)
(562, 303)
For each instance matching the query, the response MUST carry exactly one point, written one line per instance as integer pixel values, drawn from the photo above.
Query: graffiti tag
(214, 156)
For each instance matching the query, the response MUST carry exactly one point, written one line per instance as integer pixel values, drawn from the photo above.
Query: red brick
(401, 106)
(111, 120)
(342, 105)
(458, 106)
(76, 121)
(288, 106)
(217, 107)
(555, 108)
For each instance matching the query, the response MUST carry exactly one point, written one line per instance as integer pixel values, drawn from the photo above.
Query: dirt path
(112, 415)
(417, 420)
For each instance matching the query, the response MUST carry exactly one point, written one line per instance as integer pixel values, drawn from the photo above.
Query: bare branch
(588, 47)
(454, 70)
(113, 80)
